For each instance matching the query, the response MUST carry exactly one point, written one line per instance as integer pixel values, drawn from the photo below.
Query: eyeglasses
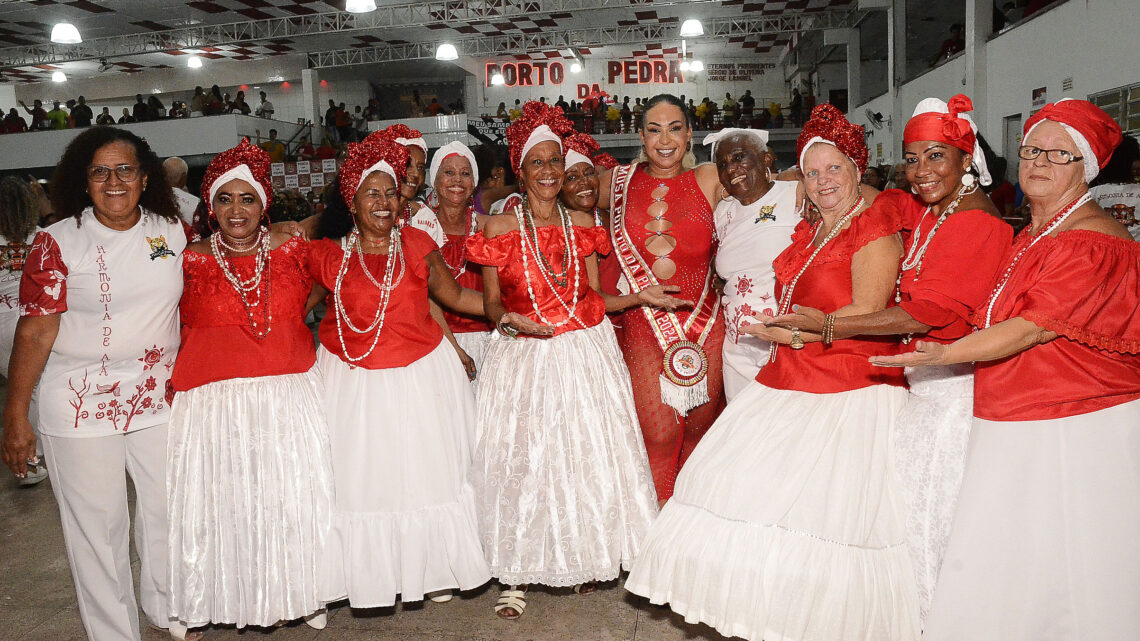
(1055, 156)
(101, 174)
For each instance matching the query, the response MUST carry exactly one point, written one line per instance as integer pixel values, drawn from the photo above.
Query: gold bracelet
(828, 329)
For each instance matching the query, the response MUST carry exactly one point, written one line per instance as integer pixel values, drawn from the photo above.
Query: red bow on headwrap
(946, 128)
(1100, 132)
(827, 122)
(254, 158)
(364, 155)
(534, 115)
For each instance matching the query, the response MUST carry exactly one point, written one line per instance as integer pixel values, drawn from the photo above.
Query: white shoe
(318, 620)
(440, 596)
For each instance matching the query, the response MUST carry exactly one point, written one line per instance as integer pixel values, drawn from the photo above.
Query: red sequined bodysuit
(670, 437)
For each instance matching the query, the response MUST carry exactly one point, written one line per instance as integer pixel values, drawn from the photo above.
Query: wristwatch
(506, 329)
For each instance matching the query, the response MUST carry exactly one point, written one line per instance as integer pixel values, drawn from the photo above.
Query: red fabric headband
(363, 155)
(946, 128)
(1099, 130)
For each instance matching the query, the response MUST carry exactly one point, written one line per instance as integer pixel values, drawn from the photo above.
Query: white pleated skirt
(786, 523)
(475, 344)
(562, 480)
(930, 454)
(250, 491)
(404, 522)
(1044, 545)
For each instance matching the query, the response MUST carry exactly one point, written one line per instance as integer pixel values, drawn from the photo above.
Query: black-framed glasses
(101, 174)
(1055, 156)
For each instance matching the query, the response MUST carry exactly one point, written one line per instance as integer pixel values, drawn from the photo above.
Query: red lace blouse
(958, 267)
(826, 285)
(409, 332)
(217, 342)
(1085, 286)
(505, 252)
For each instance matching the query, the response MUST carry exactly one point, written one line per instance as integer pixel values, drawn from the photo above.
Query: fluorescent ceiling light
(575, 67)
(692, 28)
(446, 51)
(194, 62)
(696, 65)
(65, 33)
(497, 79)
(359, 6)
(57, 76)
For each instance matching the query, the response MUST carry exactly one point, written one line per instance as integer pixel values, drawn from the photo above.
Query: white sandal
(318, 620)
(180, 632)
(511, 599)
(440, 596)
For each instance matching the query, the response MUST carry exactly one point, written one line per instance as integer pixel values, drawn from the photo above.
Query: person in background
(19, 215)
(126, 117)
(155, 110)
(215, 103)
(343, 124)
(57, 117)
(638, 114)
(626, 116)
(305, 149)
(81, 114)
(873, 177)
(434, 108)
(1116, 189)
(501, 112)
(562, 104)
(105, 118)
(176, 173)
(38, 114)
(198, 102)
(274, 147)
(326, 151)
(497, 179)
(265, 108)
(730, 108)
(239, 105)
(14, 123)
(952, 45)
(795, 108)
(140, 111)
(1002, 192)
(516, 111)
(330, 122)
(747, 107)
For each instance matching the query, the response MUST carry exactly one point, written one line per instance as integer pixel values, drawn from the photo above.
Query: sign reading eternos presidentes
(547, 73)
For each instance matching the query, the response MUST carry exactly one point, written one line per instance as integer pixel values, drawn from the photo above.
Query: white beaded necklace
(915, 253)
(1045, 231)
(523, 209)
(395, 254)
(786, 299)
(246, 287)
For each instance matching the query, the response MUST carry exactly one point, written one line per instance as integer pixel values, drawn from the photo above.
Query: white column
(979, 26)
(849, 38)
(311, 86)
(896, 68)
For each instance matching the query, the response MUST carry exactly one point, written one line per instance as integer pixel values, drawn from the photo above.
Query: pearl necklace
(395, 253)
(915, 253)
(240, 247)
(1045, 231)
(461, 264)
(525, 216)
(786, 299)
(531, 234)
(245, 287)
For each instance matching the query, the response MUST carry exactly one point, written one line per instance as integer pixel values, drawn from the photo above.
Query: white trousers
(742, 362)
(88, 479)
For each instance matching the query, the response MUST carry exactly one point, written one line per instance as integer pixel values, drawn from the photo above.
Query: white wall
(765, 87)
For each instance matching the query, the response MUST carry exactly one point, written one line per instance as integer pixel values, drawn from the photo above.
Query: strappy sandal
(511, 600)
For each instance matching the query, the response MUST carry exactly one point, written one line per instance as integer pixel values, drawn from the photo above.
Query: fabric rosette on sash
(684, 382)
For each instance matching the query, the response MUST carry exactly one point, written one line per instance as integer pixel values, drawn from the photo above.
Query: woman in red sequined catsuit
(677, 245)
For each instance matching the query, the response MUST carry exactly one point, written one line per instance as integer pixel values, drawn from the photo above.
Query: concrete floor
(37, 599)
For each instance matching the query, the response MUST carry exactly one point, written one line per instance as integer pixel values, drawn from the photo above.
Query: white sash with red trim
(684, 383)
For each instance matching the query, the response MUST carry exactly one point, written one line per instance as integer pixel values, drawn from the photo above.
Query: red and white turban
(759, 135)
(1094, 132)
(404, 135)
(453, 148)
(371, 155)
(579, 147)
(245, 161)
(539, 123)
(948, 123)
(828, 125)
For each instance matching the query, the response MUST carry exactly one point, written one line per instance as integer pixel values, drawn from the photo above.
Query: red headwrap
(828, 123)
(254, 158)
(534, 115)
(1096, 132)
(947, 128)
(605, 161)
(401, 131)
(580, 142)
(365, 155)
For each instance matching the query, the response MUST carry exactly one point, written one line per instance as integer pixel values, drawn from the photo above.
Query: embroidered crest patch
(159, 248)
(766, 213)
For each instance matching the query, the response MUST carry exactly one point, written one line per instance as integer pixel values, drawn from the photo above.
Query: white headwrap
(382, 167)
(419, 142)
(240, 172)
(937, 105)
(714, 138)
(541, 133)
(452, 148)
(815, 139)
(1089, 160)
(573, 158)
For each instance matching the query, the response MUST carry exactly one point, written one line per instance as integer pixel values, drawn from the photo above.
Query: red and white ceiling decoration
(29, 23)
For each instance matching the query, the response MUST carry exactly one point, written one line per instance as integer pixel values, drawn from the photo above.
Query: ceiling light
(446, 51)
(57, 76)
(359, 6)
(497, 79)
(65, 33)
(692, 28)
(575, 67)
(696, 65)
(194, 62)
(685, 66)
